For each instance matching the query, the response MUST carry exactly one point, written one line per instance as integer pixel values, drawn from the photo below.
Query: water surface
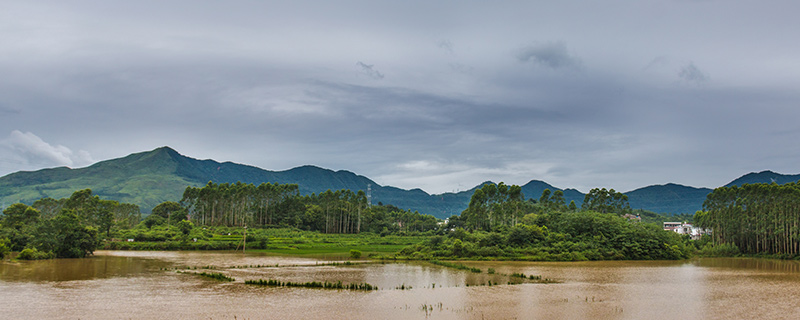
(144, 285)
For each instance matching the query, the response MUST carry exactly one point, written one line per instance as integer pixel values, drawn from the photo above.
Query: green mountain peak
(152, 177)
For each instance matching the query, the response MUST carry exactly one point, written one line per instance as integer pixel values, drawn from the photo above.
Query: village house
(686, 228)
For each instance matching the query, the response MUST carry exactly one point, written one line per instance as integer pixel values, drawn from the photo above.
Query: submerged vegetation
(216, 276)
(313, 284)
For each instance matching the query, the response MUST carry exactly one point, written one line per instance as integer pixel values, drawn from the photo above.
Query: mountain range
(149, 178)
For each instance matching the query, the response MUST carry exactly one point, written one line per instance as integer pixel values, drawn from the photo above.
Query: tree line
(755, 218)
(492, 206)
(500, 223)
(267, 204)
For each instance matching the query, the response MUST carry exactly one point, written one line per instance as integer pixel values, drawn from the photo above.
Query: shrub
(720, 250)
(4, 249)
(33, 254)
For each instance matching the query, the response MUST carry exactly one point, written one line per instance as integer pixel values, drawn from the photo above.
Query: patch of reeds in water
(190, 268)
(404, 287)
(537, 279)
(215, 276)
(313, 284)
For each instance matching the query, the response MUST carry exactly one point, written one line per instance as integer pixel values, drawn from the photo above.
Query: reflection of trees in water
(750, 264)
(96, 267)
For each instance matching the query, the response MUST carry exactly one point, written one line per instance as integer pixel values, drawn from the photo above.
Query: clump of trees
(66, 228)
(494, 205)
(499, 223)
(754, 219)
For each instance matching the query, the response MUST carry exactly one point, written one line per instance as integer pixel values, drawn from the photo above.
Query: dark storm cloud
(434, 100)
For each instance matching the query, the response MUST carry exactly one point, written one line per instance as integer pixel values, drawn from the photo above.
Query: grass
(455, 266)
(284, 241)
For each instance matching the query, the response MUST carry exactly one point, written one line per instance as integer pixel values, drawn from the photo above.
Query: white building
(686, 228)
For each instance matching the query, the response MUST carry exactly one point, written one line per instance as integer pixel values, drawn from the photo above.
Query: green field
(276, 241)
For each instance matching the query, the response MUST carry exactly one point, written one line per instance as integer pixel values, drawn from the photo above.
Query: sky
(437, 95)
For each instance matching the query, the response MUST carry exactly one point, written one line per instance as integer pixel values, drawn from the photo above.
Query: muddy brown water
(135, 285)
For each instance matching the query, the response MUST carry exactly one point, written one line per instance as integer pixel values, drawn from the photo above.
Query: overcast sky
(440, 95)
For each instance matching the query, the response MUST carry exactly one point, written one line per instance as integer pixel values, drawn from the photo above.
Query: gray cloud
(369, 70)
(9, 111)
(29, 149)
(446, 45)
(273, 85)
(553, 55)
(691, 73)
(684, 70)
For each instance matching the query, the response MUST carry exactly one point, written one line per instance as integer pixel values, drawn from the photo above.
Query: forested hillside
(149, 178)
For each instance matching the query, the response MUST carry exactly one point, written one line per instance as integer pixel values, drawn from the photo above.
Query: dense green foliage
(605, 201)
(585, 235)
(33, 254)
(550, 230)
(494, 205)
(754, 218)
(71, 233)
(269, 204)
(4, 248)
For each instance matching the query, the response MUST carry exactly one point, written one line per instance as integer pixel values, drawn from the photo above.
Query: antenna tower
(369, 195)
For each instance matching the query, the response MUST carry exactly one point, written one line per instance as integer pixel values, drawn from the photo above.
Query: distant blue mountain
(764, 177)
(149, 178)
(668, 198)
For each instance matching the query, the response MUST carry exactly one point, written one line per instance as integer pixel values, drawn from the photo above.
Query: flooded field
(146, 285)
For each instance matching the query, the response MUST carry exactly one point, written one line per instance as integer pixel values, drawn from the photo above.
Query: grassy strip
(281, 240)
(328, 264)
(190, 268)
(314, 284)
(455, 266)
